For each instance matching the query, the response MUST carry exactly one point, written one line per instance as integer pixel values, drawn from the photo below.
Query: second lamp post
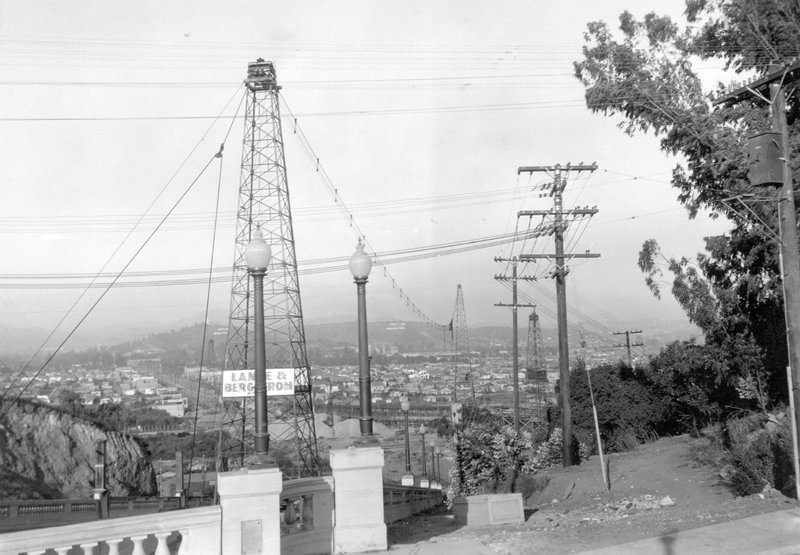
(405, 406)
(360, 265)
(257, 255)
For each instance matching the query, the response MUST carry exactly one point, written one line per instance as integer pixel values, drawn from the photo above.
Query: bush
(755, 464)
(491, 460)
(628, 412)
(758, 448)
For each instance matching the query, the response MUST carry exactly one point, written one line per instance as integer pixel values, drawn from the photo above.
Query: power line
(348, 215)
(335, 264)
(117, 276)
(111, 284)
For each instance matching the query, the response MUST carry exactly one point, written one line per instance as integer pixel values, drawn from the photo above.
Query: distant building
(145, 384)
(173, 407)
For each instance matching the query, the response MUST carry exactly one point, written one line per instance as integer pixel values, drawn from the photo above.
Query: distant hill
(183, 345)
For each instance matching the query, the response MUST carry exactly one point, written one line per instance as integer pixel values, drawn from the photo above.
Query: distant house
(173, 407)
(145, 384)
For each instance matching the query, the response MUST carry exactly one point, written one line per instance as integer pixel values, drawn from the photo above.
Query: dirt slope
(655, 490)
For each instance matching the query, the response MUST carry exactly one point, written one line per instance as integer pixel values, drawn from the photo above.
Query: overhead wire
(115, 279)
(109, 286)
(333, 190)
(206, 310)
(324, 265)
(92, 284)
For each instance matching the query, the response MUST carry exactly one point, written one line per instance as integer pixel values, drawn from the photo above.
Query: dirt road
(656, 489)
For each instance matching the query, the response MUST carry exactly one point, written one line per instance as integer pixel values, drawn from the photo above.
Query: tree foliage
(684, 376)
(628, 411)
(491, 459)
(645, 74)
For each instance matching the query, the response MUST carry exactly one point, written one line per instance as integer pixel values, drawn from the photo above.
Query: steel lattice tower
(535, 369)
(264, 201)
(463, 385)
(534, 363)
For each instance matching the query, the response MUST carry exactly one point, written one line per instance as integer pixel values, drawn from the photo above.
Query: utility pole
(559, 226)
(772, 85)
(514, 328)
(628, 344)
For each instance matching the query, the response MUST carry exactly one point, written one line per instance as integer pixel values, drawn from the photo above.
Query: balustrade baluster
(113, 546)
(61, 550)
(290, 516)
(138, 545)
(308, 511)
(162, 548)
(88, 548)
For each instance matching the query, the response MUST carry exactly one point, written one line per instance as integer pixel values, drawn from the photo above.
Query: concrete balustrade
(258, 513)
(190, 531)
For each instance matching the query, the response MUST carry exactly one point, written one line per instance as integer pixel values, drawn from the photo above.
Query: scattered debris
(644, 502)
(666, 501)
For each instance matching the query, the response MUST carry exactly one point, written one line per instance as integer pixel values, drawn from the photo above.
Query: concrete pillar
(358, 498)
(250, 503)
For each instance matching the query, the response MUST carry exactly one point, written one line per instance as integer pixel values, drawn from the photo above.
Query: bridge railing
(54, 509)
(307, 516)
(295, 517)
(403, 501)
(186, 532)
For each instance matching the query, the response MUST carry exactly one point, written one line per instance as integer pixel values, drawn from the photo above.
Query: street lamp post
(360, 265)
(422, 431)
(257, 255)
(405, 405)
(432, 445)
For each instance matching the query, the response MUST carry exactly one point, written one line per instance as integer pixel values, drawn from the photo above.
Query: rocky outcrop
(52, 448)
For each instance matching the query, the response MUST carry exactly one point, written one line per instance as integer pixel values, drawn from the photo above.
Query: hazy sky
(419, 113)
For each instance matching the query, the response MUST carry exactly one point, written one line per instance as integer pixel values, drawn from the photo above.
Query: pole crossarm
(572, 212)
(787, 74)
(558, 168)
(530, 257)
(509, 278)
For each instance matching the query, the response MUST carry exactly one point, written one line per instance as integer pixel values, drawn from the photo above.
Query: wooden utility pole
(772, 85)
(628, 344)
(514, 329)
(560, 274)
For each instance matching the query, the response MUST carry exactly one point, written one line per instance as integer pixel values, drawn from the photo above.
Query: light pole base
(365, 441)
(257, 460)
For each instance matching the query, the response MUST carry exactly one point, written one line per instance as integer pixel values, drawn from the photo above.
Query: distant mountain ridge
(408, 335)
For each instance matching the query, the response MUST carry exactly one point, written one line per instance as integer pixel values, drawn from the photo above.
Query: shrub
(758, 448)
(488, 458)
(628, 412)
(755, 463)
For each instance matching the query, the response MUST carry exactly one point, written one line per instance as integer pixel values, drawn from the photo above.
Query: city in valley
(155, 380)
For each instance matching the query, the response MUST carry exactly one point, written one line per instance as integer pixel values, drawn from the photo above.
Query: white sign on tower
(242, 383)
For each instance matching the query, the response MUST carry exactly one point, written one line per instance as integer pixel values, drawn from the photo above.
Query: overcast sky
(419, 113)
